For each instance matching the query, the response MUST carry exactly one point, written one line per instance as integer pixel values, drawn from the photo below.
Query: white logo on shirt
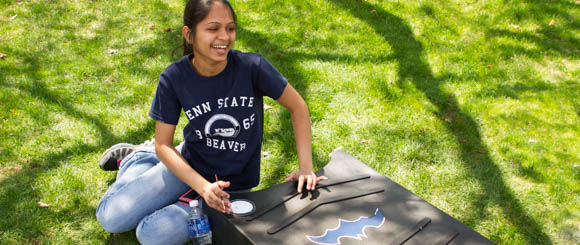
(231, 132)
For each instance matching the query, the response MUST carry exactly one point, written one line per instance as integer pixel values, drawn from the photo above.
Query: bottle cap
(193, 203)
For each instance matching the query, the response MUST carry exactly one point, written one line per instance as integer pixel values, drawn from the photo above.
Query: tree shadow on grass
(18, 195)
(283, 134)
(552, 37)
(413, 66)
(21, 185)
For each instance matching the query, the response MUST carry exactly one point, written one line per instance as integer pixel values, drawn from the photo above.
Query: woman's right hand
(214, 196)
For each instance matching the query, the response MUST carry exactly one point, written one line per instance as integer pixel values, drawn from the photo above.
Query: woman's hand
(298, 109)
(214, 196)
(305, 175)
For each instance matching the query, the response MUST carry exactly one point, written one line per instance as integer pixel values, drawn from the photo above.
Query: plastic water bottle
(198, 225)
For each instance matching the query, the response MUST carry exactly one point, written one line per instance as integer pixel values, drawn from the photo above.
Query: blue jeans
(144, 198)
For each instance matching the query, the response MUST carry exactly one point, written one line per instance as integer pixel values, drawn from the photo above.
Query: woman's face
(215, 35)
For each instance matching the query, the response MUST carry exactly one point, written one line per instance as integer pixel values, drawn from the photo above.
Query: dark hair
(195, 12)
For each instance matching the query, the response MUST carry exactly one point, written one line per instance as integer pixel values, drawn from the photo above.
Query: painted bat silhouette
(354, 229)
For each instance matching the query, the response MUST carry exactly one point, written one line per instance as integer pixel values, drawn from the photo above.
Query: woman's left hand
(305, 175)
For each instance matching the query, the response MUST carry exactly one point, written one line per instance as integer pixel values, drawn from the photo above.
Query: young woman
(221, 93)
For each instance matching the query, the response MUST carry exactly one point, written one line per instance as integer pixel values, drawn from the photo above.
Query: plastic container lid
(193, 203)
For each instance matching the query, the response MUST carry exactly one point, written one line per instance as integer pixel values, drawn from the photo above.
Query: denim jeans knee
(146, 185)
(165, 226)
(110, 221)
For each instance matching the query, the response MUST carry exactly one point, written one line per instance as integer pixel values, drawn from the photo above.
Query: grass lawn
(472, 105)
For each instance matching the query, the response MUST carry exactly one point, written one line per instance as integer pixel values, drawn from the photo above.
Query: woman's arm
(298, 109)
(212, 193)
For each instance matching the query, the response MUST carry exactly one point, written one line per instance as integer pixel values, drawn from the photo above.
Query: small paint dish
(242, 207)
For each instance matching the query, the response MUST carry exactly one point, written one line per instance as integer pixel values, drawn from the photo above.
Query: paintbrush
(223, 205)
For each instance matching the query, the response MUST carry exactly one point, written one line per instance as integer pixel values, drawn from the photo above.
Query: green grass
(472, 105)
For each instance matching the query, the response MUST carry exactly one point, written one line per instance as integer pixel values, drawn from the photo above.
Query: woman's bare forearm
(179, 167)
(173, 159)
(303, 136)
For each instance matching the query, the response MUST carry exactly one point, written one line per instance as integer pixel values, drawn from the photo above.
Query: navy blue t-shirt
(225, 113)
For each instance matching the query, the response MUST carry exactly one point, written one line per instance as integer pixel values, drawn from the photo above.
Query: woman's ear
(186, 34)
